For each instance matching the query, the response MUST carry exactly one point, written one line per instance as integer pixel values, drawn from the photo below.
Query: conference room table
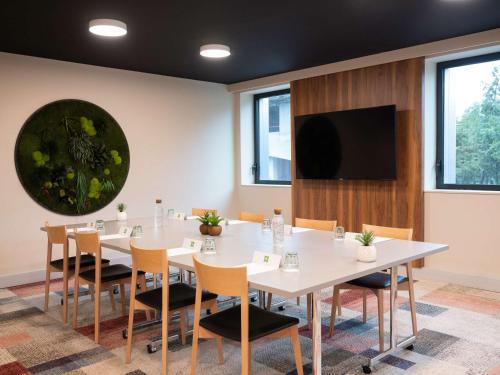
(323, 262)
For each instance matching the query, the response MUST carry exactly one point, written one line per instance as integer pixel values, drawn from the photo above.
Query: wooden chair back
(227, 281)
(250, 216)
(390, 232)
(316, 224)
(201, 211)
(88, 242)
(56, 234)
(149, 260)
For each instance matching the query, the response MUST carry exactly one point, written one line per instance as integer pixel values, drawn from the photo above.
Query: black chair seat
(179, 295)
(110, 273)
(378, 280)
(86, 260)
(227, 323)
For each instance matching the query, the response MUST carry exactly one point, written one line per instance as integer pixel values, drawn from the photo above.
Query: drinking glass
(339, 233)
(266, 225)
(209, 246)
(291, 262)
(137, 231)
(99, 225)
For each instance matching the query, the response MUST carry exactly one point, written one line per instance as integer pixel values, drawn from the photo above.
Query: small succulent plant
(214, 220)
(121, 207)
(365, 238)
(205, 218)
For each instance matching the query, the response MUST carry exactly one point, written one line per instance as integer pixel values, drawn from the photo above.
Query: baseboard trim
(473, 281)
(15, 279)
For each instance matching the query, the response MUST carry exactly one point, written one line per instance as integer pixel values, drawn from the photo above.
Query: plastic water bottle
(278, 226)
(158, 214)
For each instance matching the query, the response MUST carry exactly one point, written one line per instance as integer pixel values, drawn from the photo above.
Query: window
(468, 115)
(273, 152)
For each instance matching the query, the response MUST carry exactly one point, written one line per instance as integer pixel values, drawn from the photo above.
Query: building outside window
(468, 138)
(272, 138)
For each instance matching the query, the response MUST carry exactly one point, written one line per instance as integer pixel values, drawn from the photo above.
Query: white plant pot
(367, 253)
(121, 216)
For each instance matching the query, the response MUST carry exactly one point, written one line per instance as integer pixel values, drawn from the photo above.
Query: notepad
(113, 236)
(180, 251)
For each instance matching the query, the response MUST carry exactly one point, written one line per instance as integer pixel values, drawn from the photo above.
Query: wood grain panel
(396, 203)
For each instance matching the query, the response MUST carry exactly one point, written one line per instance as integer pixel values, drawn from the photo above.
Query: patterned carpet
(459, 332)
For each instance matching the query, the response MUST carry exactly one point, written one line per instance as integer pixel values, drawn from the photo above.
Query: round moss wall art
(72, 157)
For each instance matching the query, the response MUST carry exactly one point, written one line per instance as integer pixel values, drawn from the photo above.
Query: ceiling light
(107, 27)
(215, 51)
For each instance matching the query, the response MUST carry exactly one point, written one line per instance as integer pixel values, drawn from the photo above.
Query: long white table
(324, 262)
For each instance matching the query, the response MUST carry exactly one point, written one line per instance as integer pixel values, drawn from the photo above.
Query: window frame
(256, 148)
(440, 76)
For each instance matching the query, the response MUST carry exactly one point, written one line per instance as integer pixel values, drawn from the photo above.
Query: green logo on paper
(266, 259)
(192, 244)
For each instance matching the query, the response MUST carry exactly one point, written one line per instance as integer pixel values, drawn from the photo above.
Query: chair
(243, 323)
(57, 235)
(379, 282)
(99, 277)
(250, 216)
(178, 297)
(328, 225)
(201, 211)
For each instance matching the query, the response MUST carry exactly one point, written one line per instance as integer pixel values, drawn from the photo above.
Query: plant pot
(204, 228)
(121, 216)
(214, 230)
(367, 253)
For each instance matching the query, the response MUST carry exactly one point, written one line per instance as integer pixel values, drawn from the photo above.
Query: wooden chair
(379, 282)
(244, 323)
(201, 211)
(57, 235)
(250, 216)
(99, 277)
(328, 225)
(178, 297)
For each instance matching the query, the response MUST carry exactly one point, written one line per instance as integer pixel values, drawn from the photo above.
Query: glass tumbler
(266, 225)
(291, 262)
(339, 233)
(209, 246)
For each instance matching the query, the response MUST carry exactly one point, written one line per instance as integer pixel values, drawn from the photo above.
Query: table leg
(316, 332)
(394, 345)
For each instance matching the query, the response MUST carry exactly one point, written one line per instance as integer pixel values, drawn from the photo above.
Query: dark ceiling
(266, 36)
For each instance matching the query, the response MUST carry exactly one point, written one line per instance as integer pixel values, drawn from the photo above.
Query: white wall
(179, 131)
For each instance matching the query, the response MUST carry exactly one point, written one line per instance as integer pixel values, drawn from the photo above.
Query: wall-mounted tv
(358, 144)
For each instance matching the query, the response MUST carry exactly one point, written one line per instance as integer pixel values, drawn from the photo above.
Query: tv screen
(358, 144)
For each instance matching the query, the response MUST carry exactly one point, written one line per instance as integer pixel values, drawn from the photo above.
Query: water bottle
(278, 226)
(158, 214)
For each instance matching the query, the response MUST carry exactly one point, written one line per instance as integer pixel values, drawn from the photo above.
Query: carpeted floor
(459, 332)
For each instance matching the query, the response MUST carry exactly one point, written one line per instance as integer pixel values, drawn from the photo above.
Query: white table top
(324, 261)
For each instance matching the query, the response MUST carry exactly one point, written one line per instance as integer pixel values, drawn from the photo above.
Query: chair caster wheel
(209, 312)
(152, 349)
(253, 299)
(281, 308)
(124, 334)
(410, 347)
(367, 370)
(115, 289)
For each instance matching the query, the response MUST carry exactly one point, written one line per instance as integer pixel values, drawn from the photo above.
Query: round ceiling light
(215, 51)
(107, 27)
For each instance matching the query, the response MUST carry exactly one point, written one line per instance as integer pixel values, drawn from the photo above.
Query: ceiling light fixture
(107, 27)
(215, 51)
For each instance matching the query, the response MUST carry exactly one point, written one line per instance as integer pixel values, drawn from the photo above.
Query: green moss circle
(72, 157)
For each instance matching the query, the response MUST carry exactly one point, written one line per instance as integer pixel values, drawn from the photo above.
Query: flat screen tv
(358, 144)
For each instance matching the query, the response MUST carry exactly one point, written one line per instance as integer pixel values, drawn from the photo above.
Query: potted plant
(214, 229)
(367, 252)
(121, 213)
(205, 222)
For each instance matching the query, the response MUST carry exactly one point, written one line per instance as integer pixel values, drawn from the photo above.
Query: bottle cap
(277, 211)
(158, 200)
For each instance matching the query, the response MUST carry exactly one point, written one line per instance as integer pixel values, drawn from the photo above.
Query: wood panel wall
(396, 203)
